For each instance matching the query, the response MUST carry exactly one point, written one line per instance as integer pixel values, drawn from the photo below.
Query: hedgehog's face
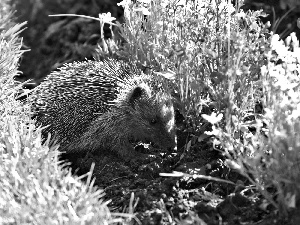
(152, 120)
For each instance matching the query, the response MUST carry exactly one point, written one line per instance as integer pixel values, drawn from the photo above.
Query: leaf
(233, 165)
(202, 137)
(169, 74)
(290, 200)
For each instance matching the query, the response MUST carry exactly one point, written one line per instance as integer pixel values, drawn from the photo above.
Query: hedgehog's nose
(172, 144)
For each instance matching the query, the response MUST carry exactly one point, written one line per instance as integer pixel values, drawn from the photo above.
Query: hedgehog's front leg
(126, 150)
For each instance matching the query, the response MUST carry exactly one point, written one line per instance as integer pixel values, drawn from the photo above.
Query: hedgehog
(98, 105)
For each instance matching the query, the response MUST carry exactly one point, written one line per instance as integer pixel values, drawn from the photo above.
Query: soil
(187, 196)
(160, 196)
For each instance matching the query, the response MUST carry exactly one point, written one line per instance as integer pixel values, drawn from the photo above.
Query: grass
(34, 189)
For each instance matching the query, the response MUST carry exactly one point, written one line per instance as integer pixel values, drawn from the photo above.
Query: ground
(163, 197)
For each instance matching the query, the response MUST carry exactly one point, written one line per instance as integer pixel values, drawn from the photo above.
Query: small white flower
(213, 118)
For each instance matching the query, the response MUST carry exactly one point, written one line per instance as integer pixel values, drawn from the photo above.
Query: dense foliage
(227, 64)
(234, 81)
(33, 187)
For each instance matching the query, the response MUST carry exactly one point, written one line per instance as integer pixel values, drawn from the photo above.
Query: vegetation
(33, 187)
(235, 83)
(228, 63)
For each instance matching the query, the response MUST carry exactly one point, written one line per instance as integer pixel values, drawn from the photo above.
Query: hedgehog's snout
(170, 142)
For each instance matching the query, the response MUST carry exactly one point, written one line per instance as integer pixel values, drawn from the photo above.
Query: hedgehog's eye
(153, 121)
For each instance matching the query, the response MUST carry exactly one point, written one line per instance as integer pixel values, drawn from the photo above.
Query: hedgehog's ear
(136, 94)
